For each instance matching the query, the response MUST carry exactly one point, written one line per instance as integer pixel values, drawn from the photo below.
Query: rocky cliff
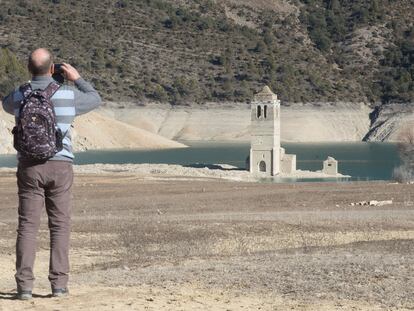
(391, 122)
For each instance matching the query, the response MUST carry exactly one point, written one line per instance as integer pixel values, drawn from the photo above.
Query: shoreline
(183, 144)
(231, 122)
(157, 126)
(222, 172)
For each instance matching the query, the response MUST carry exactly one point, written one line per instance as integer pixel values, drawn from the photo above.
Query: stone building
(265, 131)
(267, 158)
(330, 166)
(287, 162)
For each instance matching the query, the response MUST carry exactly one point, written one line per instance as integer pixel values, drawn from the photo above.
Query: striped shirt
(68, 102)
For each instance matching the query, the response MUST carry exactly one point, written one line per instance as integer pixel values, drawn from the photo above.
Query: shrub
(12, 72)
(159, 93)
(405, 172)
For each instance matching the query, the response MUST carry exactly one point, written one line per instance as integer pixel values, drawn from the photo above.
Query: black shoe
(24, 295)
(60, 292)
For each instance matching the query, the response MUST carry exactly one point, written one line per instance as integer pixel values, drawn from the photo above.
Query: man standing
(48, 182)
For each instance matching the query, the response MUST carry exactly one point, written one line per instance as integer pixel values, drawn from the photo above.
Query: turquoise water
(362, 161)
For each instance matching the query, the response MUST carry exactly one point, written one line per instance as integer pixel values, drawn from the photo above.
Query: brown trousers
(47, 184)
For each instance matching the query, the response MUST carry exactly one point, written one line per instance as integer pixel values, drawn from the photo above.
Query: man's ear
(51, 68)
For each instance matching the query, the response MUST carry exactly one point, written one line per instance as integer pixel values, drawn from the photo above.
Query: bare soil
(172, 244)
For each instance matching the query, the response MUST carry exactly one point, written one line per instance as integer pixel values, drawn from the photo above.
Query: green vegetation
(397, 75)
(190, 51)
(12, 72)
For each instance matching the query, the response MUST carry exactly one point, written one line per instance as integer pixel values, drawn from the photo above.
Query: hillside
(96, 131)
(184, 51)
(339, 122)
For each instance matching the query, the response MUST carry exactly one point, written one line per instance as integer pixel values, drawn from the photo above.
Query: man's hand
(70, 72)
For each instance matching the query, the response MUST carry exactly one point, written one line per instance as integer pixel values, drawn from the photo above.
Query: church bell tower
(265, 129)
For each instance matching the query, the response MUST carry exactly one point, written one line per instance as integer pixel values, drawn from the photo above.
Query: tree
(99, 60)
(186, 90)
(405, 172)
(260, 47)
(12, 72)
(397, 72)
(159, 93)
(268, 37)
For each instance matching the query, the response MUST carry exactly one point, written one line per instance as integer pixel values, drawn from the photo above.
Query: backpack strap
(51, 89)
(49, 92)
(26, 89)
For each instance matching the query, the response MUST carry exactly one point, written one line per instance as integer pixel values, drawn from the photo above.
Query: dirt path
(166, 244)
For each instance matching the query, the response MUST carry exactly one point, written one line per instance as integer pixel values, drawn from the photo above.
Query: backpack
(36, 134)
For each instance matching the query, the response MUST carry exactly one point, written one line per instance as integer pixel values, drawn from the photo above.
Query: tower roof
(265, 95)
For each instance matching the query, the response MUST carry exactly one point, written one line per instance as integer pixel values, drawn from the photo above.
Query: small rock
(380, 203)
(372, 203)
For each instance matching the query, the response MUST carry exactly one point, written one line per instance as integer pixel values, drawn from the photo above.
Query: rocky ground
(146, 242)
(391, 123)
(196, 171)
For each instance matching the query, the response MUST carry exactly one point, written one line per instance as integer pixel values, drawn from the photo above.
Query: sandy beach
(158, 242)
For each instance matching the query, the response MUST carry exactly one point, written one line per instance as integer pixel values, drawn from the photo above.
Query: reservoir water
(362, 161)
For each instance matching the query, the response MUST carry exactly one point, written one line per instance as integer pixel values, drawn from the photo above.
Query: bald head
(40, 62)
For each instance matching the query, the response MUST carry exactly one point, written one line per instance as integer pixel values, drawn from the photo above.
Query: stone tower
(265, 144)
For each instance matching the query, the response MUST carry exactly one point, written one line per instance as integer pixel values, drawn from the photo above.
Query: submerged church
(266, 155)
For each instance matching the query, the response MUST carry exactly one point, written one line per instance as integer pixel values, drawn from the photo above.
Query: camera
(57, 68)
(57, 74)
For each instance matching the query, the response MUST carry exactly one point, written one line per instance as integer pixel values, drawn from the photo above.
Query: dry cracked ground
(142, 243)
